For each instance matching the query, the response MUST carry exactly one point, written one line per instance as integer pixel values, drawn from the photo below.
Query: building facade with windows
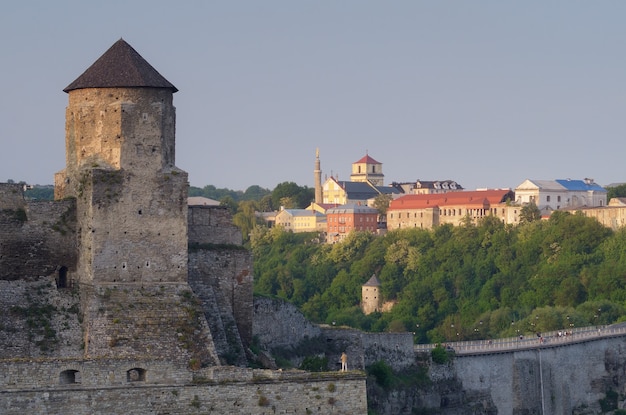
(559, 194)
(342, 220)
(301, 220)
(426, 211)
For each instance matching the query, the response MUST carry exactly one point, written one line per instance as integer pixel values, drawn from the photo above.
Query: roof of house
(478, 197)
(351, 208)
(302, 212)
(581, 185)
(373, 282)
(561, 185)
(120, 67)
(529, 184)
(364, 191)
(367, 159)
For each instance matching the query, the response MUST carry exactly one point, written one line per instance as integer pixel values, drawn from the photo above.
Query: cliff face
(581, 378)
(586, 376)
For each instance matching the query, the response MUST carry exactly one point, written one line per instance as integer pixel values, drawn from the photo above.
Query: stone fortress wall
(116, 386)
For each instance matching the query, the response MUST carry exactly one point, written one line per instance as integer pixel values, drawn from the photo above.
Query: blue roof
(580, 185)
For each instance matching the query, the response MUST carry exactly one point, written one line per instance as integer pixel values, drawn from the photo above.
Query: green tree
(616, 191)
(230, 203)
(298, 197)
(529, 213)
(245, 218)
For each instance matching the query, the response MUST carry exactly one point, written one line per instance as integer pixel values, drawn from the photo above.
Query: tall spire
(317, 174)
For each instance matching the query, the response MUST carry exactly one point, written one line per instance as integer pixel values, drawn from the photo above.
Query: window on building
(548, 198)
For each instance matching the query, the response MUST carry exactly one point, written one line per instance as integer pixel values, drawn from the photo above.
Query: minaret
(317, 174)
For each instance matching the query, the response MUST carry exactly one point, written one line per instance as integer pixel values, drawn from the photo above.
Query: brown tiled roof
(120, 67)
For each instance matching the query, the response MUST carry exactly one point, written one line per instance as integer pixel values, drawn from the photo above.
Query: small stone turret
(371, 300)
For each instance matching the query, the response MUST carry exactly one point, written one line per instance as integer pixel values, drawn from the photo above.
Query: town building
(426, 211)
(550, 195)
(344, 219)
(422, 187)
(301, 220)
(343, 192)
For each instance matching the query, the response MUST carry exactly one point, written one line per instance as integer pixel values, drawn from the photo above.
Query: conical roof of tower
(120, 67)
(372, 282)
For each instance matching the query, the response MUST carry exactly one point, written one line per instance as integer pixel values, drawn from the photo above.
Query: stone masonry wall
(222, 279)
(11, 196)
(279, 325)
(132, 228)
(108, 387)
(38, 239)
(553, 380)
(132, 321)
(212, 225)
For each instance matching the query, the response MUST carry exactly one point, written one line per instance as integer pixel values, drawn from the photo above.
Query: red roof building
(429, 210)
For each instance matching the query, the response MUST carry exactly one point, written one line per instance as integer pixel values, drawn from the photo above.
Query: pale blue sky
(487, 93)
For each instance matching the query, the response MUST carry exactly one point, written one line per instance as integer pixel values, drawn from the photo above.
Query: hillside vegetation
(454, 283)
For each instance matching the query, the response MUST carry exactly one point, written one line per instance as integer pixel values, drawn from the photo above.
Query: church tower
(317, 175)
(368, 170)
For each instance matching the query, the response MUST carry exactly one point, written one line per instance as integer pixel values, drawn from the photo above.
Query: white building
(560, 194)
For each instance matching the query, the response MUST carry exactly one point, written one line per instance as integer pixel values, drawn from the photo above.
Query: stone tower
(317, 174)
(368, 170)
(371, 300)
(132, 199)
(131, 207)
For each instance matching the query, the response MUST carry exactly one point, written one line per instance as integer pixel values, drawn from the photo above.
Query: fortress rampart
(143, 386)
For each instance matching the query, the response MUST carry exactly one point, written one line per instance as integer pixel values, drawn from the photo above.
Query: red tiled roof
(479, 197)
(367, 159)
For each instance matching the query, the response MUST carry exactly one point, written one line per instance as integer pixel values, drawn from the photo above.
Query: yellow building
(301, 220)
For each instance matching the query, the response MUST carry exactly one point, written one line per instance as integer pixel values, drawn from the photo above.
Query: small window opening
(69, 376)
(136, 375)
(62, 278)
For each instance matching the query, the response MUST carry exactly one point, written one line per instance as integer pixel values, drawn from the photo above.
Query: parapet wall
(162, 388)
(212, 225)
(37, 239)
(11, 196)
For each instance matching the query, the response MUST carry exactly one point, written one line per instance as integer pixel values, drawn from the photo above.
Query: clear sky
(486, 93)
